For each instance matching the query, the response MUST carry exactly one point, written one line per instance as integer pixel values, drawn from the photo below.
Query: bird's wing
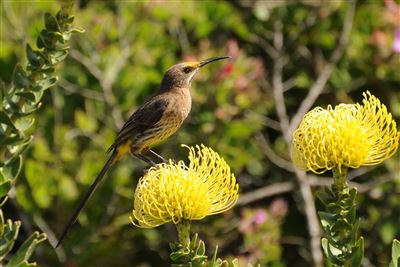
(143, 118)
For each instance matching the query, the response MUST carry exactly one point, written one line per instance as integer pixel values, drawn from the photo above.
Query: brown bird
(157, 119)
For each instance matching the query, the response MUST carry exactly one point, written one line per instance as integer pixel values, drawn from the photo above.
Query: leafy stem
(17, 103)
(342, 245)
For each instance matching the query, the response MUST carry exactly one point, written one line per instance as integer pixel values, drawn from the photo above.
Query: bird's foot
(145, 159)
(158, 156)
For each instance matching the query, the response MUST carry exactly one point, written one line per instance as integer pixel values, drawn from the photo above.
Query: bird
(155, 120)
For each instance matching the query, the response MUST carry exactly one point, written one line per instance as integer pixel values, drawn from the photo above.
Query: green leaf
(395, 253)
(330, 251)
(5, 141)
(51, 23)
(20, 79)
(24, 123)
(2, 202)
(26, 249)
(27, 95)
(326, 196)
(1, 223)
(327, 219)
(7, 240)
(213, 262)
(5, 119)
(235, 263)
(341, 226)
(50, 40)
(5, 186)
(12, 169)
(201, 250)
(57, 56)
(351, 215)
(26, 264)
(2, 93)
(34, 57)
(44, 83)
(358, 254)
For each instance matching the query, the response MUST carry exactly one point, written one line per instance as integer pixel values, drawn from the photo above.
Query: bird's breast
(180, 105)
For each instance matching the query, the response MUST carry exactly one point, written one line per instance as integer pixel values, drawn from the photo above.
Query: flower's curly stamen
(176, 192)
(349, 135)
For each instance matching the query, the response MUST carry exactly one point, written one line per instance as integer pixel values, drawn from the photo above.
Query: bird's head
(181, 75)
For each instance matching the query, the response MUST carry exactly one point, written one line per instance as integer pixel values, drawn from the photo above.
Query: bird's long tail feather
(87, 195)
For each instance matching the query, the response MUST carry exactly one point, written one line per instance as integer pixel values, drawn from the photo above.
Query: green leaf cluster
(17, 102)
(342, 244)
(24, 96)
(194, 255)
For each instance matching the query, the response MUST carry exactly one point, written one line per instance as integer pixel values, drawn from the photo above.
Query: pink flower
(260, 217)
(396, 43)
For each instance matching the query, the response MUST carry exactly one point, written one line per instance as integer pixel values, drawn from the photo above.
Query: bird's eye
(187, 69)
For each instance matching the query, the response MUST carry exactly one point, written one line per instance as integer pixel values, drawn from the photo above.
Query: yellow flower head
(348, 135)
(176, 192)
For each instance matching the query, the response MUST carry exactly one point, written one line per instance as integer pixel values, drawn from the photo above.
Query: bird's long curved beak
(209, 60)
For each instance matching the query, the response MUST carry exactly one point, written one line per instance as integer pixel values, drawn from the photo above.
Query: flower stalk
(183, 229)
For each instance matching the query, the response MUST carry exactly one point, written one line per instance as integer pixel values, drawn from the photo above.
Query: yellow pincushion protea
(349, 135)
(176, 192)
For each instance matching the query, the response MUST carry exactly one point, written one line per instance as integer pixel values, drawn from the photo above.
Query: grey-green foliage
(342, 245)
(194, 256)
(17, 102)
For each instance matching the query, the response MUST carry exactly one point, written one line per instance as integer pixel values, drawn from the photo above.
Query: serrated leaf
(26, 249)
(50, 22)
(20, 79)
(395, 253)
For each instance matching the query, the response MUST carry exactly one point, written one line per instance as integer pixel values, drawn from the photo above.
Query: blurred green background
(294, 47)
